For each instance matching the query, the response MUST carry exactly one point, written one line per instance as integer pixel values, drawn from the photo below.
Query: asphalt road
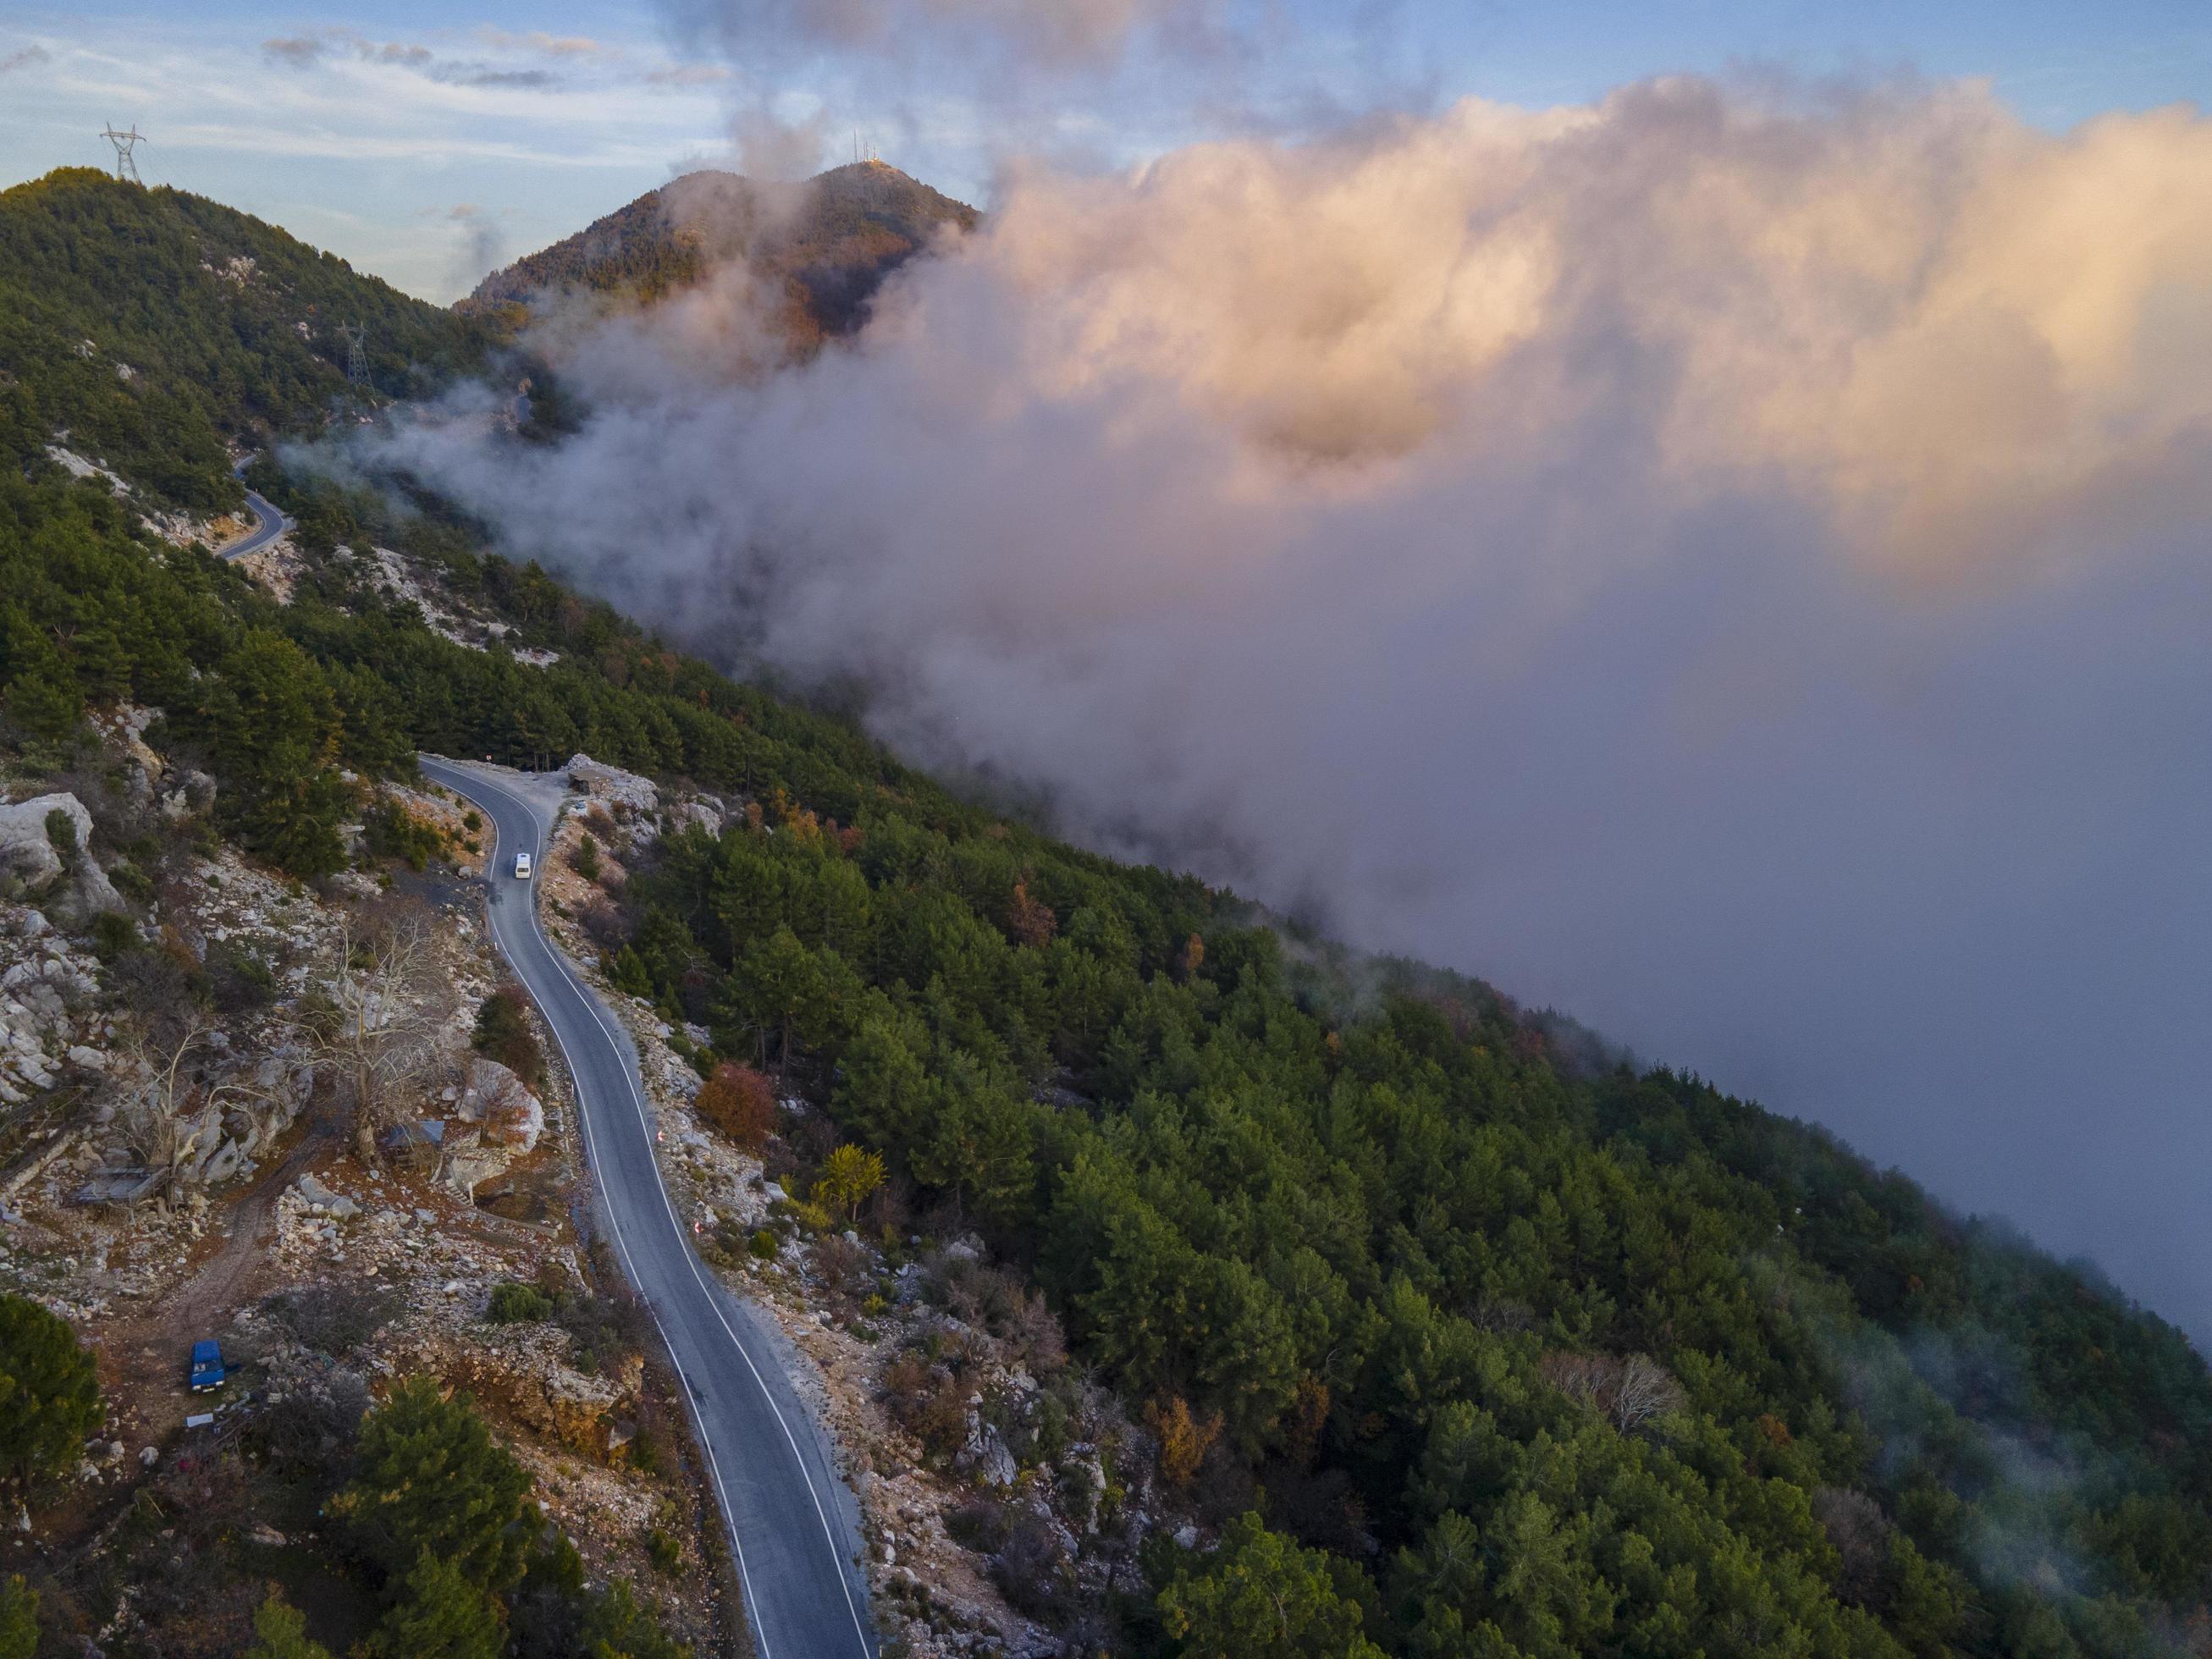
(268, 525)
(792, 1523)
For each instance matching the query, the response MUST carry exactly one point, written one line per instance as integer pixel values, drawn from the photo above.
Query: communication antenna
(356, 338)
(126, 168)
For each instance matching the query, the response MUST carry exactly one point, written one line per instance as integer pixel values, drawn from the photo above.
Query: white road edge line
(591, 1143)
(684, 1244)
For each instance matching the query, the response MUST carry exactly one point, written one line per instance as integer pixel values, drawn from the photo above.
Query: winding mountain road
(792, 1523)
(268, 523)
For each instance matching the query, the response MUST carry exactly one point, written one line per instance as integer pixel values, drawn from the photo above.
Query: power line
(126, 166)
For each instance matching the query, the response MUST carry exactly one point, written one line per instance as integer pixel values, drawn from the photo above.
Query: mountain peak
(830, 239)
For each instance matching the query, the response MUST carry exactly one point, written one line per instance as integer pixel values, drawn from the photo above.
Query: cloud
(483, 247)
(1072, 35)
(573, 46)
(487, 74)
(307, 51)
(689, 74)
(1731, 566)
(298, 51)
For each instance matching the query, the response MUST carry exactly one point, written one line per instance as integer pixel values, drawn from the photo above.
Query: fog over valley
(1726, 560)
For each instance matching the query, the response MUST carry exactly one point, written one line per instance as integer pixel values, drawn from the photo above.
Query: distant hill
(151, 325)
(831, 240)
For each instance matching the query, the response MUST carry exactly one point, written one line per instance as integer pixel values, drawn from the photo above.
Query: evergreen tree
(281, 1632)
(432, 1481)
(1262, 1596)
(441, 1614)
(49, 1391)
(18, 1619)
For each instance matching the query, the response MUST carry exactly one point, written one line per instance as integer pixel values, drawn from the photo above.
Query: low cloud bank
(1733, 567)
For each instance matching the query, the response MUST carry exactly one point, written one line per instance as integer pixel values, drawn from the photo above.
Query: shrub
(112, 935)
(585, 861)
(391, 832)
(764, 1245)
(503, 1034)
(739, 1102)
(517, 1304)
(336, 1319)
(61, 834)
(662, 1550)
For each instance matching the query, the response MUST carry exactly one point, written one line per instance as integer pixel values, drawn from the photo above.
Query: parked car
(208, 1370)
(522, 866)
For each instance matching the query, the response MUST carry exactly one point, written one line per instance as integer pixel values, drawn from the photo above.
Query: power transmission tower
(126, 166)
(356, 336)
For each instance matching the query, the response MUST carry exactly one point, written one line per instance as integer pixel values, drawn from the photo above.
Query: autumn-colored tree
(739, 1102)
(848, 1175)
(1030, 921)
(1184, 1438)
(1191, 958)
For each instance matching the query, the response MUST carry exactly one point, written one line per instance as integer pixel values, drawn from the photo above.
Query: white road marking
(637, 1101)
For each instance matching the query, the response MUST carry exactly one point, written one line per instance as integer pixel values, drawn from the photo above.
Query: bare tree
(150, 1114)
(373, 1026)
(166, 1118)
(1645, 1390)
(1631, 1391)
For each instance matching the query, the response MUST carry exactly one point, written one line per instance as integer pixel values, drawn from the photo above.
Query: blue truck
(207, 1366)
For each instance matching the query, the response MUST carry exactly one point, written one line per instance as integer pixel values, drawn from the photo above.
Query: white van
(522, 866)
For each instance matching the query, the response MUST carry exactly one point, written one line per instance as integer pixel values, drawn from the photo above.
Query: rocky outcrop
(48, 1023)
(58, 869)
(612, 786)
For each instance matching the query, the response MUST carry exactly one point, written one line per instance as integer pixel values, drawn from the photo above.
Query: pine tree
(432, 1480)
(49, 1391)
(282, 1632)
(19, 1620)
(441, 1614)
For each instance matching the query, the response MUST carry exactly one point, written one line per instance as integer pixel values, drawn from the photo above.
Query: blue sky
(423, 141)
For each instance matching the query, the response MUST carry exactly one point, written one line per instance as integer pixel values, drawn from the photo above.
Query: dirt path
(143, 1355)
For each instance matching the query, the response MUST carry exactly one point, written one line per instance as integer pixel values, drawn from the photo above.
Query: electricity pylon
(126, 168)
(356, 334)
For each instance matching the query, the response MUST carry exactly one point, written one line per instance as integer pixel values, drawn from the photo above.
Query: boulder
(496, 1099)
(28, 853)
(322, 1201)
(468, 1168)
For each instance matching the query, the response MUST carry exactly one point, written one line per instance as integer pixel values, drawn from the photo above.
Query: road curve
(268, 523)
(793, 1526)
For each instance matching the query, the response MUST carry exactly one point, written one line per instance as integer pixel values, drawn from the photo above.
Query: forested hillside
(830, 242)
(1457, 1346)
(150, 324)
